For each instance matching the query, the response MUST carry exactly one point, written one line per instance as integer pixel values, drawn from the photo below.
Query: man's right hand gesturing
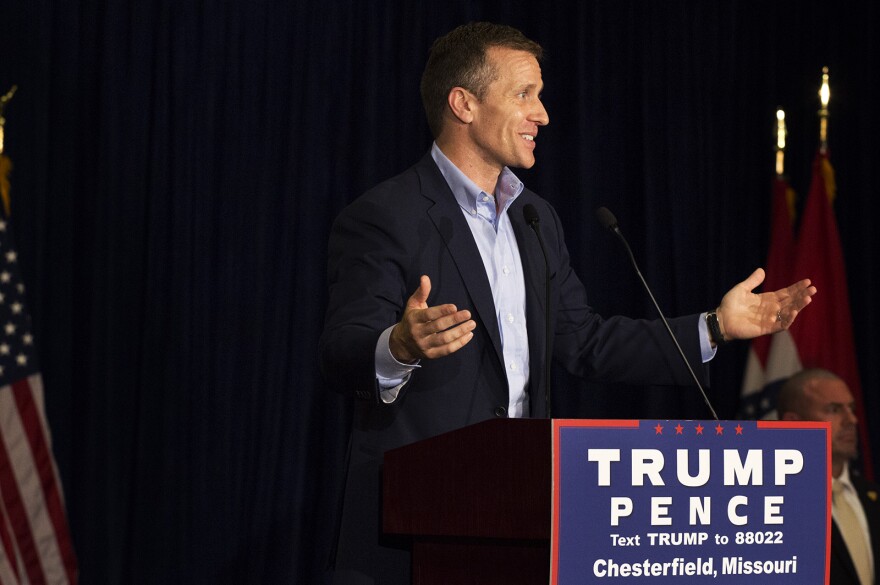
(429, 332)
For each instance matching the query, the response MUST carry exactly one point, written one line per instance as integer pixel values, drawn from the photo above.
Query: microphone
(608, 221)
(530, 214)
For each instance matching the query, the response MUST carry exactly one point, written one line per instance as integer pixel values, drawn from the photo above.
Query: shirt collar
(844, 480)
(466, 192)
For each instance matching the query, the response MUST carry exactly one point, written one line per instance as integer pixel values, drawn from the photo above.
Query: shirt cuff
(391, 374)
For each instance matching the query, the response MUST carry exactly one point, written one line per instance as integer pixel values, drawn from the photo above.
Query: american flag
(35, 544)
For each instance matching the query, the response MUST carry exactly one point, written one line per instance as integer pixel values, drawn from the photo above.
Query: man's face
(831, 400)
(506, 121)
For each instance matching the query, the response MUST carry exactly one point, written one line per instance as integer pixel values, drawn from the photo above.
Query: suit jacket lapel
(838, 549)
(449, 221)
(870, 507)
(868, 495)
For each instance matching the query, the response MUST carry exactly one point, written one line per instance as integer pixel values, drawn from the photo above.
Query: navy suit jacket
(379, 247)
(843, 571)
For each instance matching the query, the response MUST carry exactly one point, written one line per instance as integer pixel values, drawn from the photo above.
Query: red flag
(774, 358)
(823, 333)
(35, 544)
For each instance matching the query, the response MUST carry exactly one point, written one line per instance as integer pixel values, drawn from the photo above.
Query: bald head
(792, 398)
(820, 395)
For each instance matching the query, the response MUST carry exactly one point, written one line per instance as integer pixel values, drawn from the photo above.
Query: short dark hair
(791, 394)
(458, 59)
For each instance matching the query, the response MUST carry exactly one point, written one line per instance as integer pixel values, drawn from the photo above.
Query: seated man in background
(820, 395)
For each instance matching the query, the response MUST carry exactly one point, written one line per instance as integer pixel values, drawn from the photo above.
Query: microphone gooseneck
(530, 214)
(608, 221)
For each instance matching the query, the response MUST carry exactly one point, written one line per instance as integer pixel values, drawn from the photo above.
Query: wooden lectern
(476, 503)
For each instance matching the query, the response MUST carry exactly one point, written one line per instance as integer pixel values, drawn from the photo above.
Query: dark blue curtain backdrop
(178, 165)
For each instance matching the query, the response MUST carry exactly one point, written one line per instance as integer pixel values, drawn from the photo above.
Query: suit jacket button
(501, 412)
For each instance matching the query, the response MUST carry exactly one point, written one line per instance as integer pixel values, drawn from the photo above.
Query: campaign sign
(678, 502)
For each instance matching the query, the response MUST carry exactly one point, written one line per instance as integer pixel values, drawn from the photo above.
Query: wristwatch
(714, 328)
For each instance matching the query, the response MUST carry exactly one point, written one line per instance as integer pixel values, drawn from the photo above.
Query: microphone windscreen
(606, 218)
(530, 214)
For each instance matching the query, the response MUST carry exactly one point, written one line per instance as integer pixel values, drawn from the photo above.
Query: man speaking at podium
(436, 315)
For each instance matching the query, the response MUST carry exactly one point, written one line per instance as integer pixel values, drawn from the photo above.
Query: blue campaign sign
(682, 502)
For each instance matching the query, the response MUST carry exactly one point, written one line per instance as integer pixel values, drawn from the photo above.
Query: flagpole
(824, 97)
(781, 133)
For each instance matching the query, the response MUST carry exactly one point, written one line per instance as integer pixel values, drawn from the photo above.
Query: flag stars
(679, 430)
(739, 429)
(16, 339)
(719, 430)
(658, 430)
(699, 429)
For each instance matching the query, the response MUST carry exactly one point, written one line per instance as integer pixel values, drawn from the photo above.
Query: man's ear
(462, 104)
